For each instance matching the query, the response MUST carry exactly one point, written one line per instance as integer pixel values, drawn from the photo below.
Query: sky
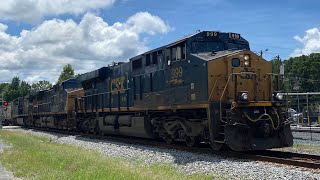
(39, 37)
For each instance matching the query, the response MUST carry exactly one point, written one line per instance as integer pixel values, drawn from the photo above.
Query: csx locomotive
(204, 88)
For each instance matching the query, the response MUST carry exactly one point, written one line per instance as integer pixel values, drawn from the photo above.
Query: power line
(278, 47)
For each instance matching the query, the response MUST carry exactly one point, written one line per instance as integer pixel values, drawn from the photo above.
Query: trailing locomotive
(207, 87)
(51, 108)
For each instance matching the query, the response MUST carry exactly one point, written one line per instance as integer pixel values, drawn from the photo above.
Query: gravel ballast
(306, 138)
(304, 142)
(186, 161)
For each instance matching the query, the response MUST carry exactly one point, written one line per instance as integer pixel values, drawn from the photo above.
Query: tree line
(302, 74)
(17, 88)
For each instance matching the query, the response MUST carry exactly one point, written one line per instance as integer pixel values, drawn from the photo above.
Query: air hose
(267, 115)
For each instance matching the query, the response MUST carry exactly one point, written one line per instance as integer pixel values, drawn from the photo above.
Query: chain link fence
(304, 112)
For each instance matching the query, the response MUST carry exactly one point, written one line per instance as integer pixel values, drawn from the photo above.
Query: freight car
(207, 87)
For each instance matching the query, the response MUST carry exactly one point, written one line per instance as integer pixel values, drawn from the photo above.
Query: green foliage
(24, 88)
(66, 73)
(15, 83)
(41, 85)
(3, 88)
(303, 72)
(16, 89)
(276, 63)
(302, 75)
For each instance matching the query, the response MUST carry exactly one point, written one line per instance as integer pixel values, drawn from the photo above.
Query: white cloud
(310, 42)
(32, 11)
(92, 43)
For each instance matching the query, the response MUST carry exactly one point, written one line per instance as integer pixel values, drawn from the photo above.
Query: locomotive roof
(203, 33)
(100, 73)
(223, 36)
(215, 55)
(182, 39)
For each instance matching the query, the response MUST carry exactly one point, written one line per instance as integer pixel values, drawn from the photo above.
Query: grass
(305, 146)
(34, 157)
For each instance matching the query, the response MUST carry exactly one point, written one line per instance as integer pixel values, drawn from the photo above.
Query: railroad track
(278, 157)
(288, 158)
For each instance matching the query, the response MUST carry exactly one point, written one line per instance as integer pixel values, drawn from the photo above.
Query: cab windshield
(234, 46)
(206, 46)
(212, 46)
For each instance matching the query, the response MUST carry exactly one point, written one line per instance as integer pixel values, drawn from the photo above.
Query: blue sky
(266, 24)
(279, 26)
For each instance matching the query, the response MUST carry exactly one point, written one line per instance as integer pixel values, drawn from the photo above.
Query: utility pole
(261, 52)
(1, 109)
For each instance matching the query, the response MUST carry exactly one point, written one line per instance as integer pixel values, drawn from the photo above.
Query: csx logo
(247, 76)
(117, 84)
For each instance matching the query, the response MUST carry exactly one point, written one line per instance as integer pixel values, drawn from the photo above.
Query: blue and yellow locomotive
(207, 87)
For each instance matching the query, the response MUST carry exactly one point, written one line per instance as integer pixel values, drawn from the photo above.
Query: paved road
(5, 175)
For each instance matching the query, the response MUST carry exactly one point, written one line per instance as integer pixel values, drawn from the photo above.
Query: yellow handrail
(214, 87)
(227, 86)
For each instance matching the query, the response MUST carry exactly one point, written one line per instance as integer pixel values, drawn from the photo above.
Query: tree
(15, 83)
(303, 70)
(24, 88)
(11, 94)
(66, 73)
(302, 75)
(3, 87)
(41, 85)
(16, 89)
(276, 63)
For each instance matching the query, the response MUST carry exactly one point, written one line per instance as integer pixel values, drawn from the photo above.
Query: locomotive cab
(251, 109)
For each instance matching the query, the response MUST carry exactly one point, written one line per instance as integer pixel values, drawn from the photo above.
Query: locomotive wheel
(85, 127)
(216, 146)
(168, 139)
(192, 141)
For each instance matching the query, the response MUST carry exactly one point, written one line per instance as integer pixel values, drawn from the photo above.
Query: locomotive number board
(212, 34)
(234, 36)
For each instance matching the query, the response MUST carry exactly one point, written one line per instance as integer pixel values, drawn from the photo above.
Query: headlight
(279, 96)
(246, 63)
(244, 96)
(246, 57)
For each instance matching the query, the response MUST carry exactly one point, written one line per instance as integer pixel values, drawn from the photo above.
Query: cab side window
(168, 54)
(177, 52)
(235, 62)
(137, 64)
(173, 54)
(184, 51)
(154, 58)
(148, 60)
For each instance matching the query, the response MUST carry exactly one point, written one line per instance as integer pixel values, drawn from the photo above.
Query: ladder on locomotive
(225, 115)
